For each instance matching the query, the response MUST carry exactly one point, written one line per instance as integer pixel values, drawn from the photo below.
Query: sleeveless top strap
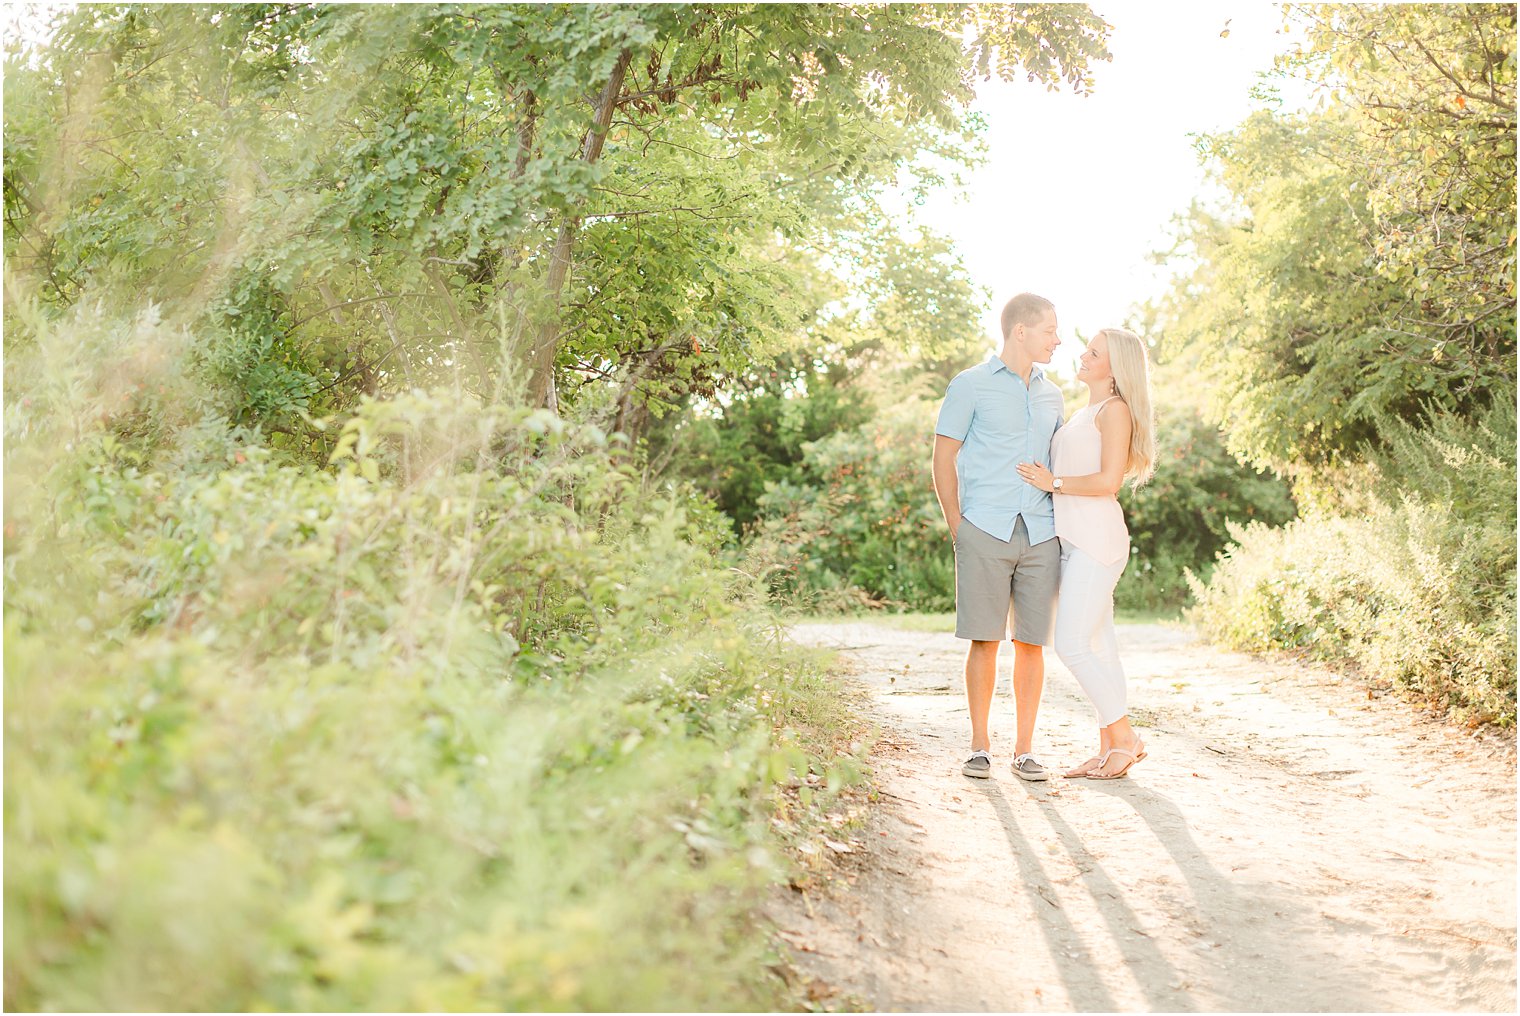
(1102, 404)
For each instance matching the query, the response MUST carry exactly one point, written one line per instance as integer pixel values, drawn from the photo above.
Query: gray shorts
(991, 576)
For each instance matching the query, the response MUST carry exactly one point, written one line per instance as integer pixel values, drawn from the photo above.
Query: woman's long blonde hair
(1132, 381)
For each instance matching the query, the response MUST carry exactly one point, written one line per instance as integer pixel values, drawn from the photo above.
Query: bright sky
(1077, 191)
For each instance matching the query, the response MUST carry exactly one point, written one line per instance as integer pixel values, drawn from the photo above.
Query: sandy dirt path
(1289, 845)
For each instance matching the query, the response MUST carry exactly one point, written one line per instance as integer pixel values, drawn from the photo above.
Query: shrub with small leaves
(1418, 590)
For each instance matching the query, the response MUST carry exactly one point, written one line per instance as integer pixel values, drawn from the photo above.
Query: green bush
(1180, 520)
(468, 720)
(759, 437)
(864, 527)
(858, 523)
(1418, 589)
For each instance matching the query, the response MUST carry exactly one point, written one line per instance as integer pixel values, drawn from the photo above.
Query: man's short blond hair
(1025, 309)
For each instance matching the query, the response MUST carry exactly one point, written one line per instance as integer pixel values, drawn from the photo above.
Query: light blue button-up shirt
(1002, 422)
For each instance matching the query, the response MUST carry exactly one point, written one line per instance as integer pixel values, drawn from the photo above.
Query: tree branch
(1461, 88)
(542, 354)
(351, 303)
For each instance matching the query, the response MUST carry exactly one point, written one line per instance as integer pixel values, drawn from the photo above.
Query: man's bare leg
(981, 682)
(1028, 684)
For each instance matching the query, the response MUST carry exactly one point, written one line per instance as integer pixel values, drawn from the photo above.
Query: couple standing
(1032, 508)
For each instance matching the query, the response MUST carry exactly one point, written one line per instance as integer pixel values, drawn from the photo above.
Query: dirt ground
(1290, 845)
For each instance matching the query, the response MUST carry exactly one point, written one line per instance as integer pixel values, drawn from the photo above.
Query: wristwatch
(1056, 483)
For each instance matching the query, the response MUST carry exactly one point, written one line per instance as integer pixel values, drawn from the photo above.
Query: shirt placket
(1028, 426)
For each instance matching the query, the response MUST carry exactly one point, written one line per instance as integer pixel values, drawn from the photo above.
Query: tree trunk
(541, 357)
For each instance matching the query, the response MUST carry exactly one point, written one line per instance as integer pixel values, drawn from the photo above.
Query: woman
(1111, 438)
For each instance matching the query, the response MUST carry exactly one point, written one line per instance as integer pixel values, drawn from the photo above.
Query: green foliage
(340, 675)
(413, 731)
(1366, 272)
(1418, 590)
(347, 200)
(863, 525)
(760, 436)
(1357, 309)
(1433, 88)
(1179, 521)
(855, 520)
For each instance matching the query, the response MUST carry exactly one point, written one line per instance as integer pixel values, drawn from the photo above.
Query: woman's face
(1093, 366)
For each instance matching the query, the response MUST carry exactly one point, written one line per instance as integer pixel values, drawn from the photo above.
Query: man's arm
(946, 486)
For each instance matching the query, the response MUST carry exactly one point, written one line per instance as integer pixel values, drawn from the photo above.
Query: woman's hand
(1038, 475)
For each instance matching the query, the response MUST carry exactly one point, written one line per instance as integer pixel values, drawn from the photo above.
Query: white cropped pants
(1085, 637)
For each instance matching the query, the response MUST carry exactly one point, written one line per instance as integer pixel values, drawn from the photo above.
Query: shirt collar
(1036, 372)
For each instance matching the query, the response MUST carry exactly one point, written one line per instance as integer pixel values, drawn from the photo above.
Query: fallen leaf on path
(817, 991)
(837, 847)
(797, 941)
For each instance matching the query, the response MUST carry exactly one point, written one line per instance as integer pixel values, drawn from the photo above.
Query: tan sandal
(1079, 771)
(1134, 756)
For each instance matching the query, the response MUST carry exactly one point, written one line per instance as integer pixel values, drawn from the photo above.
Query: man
(995, 415)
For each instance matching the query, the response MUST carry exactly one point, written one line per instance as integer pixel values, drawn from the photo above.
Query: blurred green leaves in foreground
(465, 721)
(359, 656)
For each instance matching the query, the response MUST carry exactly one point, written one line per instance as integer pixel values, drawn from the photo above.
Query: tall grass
(468, 719)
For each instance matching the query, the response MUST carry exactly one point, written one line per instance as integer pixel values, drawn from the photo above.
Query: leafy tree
(1356, 312)
(628, 197)
(1369, 273)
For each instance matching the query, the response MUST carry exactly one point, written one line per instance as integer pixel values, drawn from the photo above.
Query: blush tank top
(1094, 524)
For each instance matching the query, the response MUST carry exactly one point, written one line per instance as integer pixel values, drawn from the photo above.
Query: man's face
(1038, 340)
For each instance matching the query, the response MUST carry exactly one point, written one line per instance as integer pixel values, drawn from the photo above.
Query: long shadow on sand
(1262, 971)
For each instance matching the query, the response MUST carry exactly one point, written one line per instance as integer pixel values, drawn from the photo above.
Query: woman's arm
(1114, 429)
